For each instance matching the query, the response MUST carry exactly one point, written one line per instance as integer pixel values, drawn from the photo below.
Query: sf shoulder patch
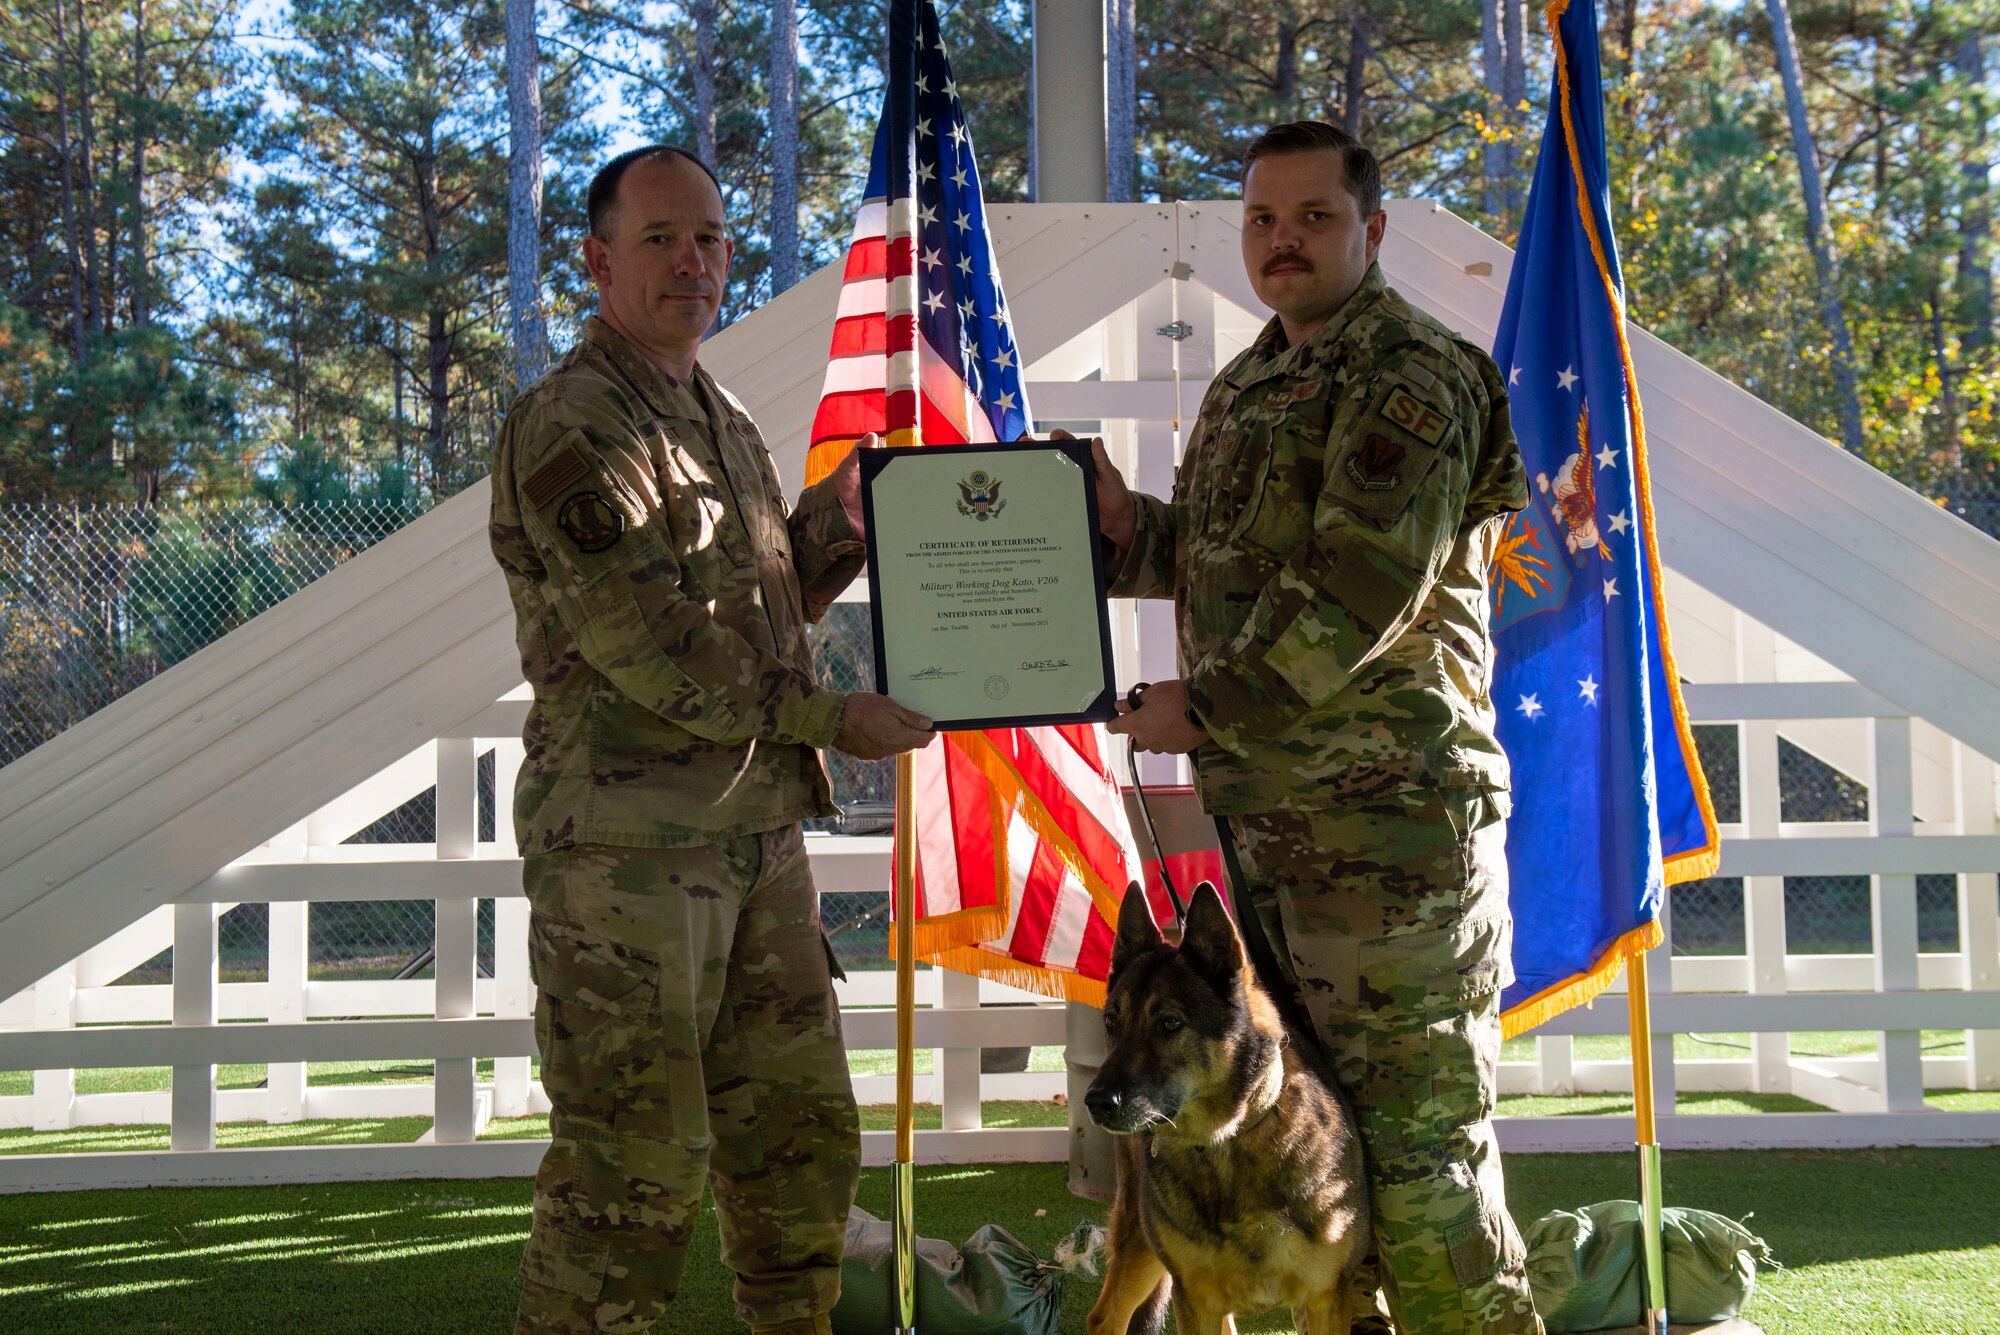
(589, 521)
(1415, 416)
(1390, 451)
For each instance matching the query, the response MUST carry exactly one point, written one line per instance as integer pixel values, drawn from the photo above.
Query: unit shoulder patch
(590, 522)
(1377, 465)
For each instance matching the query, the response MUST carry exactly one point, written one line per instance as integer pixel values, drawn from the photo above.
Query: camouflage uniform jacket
(1326, 548)
(661, 591)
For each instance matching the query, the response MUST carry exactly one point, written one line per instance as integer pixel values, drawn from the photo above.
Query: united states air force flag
(1610, 805)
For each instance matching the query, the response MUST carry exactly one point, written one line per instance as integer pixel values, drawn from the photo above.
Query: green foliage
(317, 305)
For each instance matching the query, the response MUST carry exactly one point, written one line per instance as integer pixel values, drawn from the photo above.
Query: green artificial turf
(996, 1113)
(1872, 1241)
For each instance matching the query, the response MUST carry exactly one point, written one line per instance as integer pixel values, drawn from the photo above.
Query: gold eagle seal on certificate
(980, 495)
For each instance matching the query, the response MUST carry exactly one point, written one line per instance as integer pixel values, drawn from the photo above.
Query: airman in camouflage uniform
(685, 1012)
(1326, 547)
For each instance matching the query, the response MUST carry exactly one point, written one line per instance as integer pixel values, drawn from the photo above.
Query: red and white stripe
(855, 398)
(1026, 819)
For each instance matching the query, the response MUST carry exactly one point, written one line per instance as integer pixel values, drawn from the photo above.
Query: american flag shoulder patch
(548, 481)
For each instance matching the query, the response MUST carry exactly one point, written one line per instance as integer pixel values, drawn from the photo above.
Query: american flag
(1023, 849)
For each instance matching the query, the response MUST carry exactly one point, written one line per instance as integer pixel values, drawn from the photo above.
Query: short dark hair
(1364, 174)
(604, 186)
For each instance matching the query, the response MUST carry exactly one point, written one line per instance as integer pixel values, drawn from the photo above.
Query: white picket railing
(73, 1019)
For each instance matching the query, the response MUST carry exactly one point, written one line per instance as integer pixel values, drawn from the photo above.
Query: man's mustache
(1287, 262)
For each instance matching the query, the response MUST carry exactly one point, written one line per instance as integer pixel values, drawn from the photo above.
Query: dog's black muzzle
(1118, 1110)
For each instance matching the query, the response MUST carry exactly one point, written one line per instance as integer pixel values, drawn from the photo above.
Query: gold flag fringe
(1550, 1002)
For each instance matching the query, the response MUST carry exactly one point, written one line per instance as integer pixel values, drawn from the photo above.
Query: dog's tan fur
(1240, 1185)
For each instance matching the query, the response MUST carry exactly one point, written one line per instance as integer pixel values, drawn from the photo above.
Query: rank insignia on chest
(1377, 465)
(590, 523)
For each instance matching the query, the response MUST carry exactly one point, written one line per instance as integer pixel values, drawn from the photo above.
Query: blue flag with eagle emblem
(1610, 805)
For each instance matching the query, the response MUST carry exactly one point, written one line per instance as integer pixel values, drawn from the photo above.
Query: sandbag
(993, 1285)
(1588, 1272)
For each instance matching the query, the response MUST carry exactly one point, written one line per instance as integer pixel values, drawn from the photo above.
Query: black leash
(1132, 698)
(1263, 956)
(1250, 925)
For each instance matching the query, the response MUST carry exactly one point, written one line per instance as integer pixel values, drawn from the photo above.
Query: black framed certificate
(988, 583)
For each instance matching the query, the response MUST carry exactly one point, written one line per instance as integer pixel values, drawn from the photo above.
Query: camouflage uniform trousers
(1390, 917)
(688, 1028)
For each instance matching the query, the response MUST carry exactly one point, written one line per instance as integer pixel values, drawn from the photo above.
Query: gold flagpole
(1650, 1187)
(903, 1172)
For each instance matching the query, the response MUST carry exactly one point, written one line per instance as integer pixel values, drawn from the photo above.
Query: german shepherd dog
(1240, 1184)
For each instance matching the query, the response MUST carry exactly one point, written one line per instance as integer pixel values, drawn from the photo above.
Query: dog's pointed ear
(1137, 932)
(1210, 942)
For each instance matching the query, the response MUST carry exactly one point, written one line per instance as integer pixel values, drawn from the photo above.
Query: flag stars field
(1531, 706)
(1610, 588)
(1587, 688)
(1566, 377)
(1620, 522)
(1607, 457)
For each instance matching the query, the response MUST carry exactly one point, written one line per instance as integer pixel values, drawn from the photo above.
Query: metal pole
(1070, 125)
(1071, 119)
(903, 1174)
(1650, 1187)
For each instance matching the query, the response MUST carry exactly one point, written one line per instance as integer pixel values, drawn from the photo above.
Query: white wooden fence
(74, 1019)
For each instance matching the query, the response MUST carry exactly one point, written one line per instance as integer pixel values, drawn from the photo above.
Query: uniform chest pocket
(1282, 469)
(699, 507)
(770, 530)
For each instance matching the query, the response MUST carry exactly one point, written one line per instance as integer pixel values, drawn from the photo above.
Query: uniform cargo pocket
(598, 1028)
(1419, 970)
(565, 1262)
(1482, 1246)
(591, 971)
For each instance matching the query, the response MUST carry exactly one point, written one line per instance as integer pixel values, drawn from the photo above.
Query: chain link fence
(1974, 496)
(1824, 915)
(95, 600)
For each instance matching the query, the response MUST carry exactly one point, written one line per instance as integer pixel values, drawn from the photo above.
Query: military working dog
(1240, 1184)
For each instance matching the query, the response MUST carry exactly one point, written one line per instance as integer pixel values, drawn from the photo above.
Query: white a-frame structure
(1811, 598)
